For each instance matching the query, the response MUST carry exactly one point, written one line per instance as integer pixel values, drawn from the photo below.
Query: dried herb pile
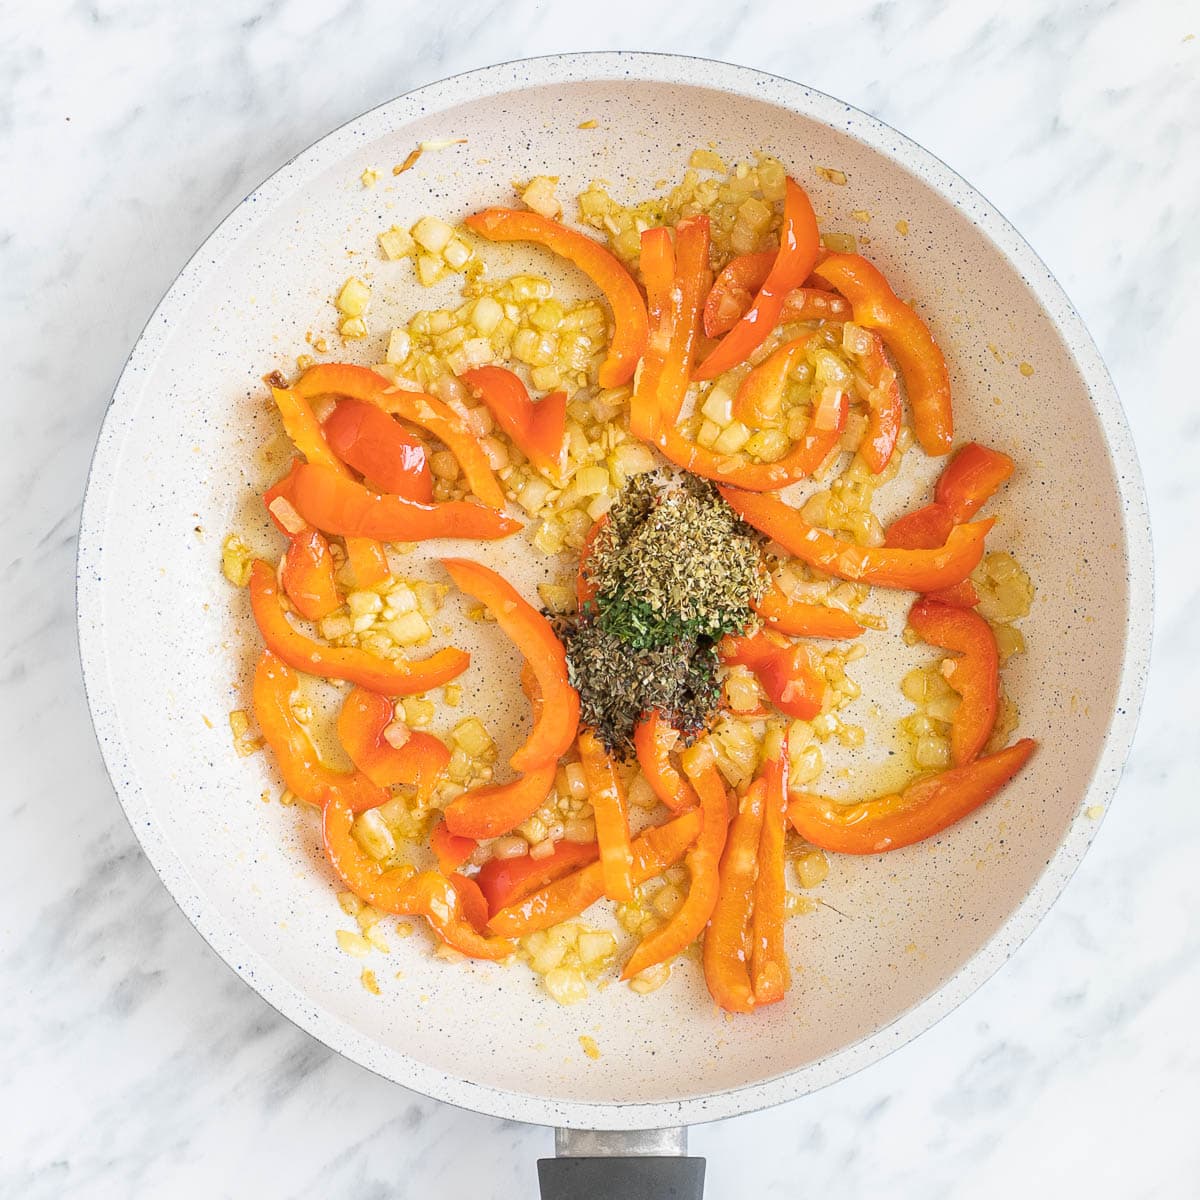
(674, 569)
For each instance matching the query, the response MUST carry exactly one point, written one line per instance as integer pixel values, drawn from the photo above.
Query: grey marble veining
(132, 1062)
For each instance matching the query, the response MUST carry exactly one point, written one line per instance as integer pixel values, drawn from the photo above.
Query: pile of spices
(673, 569)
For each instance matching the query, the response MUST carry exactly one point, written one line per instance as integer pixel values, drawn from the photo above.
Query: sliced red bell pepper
(703, 863)
(556, 723)
(884, 410)
(962, 595)
(759, 399)
(799, 241)
(451, 851)
(607, 795)
(419, 760)
(768, 957)
(974, 674)
(537, 429)
(601, 267)
(380, 449)
(798, 619)
(918, 570)
(497, 809)
(299, 763)
(877, 307)
(334, 502)
(655, 850)
(417, 408)
(402, 891)
(653, 741)
(307, 575)
(921, 529)
(924, 808)
(504, 881)
(733, 293)
(786, 671)
(343, 662)
(727, 951)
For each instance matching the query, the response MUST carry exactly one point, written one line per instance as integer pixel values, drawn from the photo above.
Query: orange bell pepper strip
(653, 741)
(961, 595)
(974, 674)
(557, 717)
(417, 408)
(538, 430)
(367, 558)
(451, 851)
(970, 479)
(798, 619)
(601, 267)
(768, 957)
(786, 671)
(307, 575)
(302, 653)
(883, 566)
(726, 954)
(733, 293)
(299, 763)
(471, 900)
(655, 850)
(336, 503)
(759, 398)
(402, 891)
(585, 589)
(703, 864)
(504, 881)
(924, 808)
(494, 810)
(882, 394)
(380, 449)
(412, 759)
(799, 241)
(658, 274)
(877, 307)
(607, 795)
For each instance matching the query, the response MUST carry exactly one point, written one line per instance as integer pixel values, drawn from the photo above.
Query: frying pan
(899, 940)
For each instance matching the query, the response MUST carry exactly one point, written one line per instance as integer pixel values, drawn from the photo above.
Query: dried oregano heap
(673, 569)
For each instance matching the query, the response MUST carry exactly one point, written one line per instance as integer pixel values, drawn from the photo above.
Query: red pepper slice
(585, 589)
(402, 891)
(380, 449)
(451, 851)
(974, 674)
(759, 399)
(653, 741)
(733, 293)
(921, 529)
(877, 307)
(342, 662)
(504, 881)
(798, 619)
(607, 795)
(417, 408)
(653, 852)
(601, 267)
(785, 670)
(418, 762)
(536, 429)
(299, 763)
(334, 502)
(799, 241)
(768, 956)
(918, 570)
(726, 942)
(488, 812)
(962, 595)
(555, 724)
(703, 863)
(924, 808)
(307, 575)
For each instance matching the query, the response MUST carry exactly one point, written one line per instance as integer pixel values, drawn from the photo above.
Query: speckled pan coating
(916, 931)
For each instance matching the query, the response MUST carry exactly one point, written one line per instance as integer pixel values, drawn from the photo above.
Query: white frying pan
(166, 642)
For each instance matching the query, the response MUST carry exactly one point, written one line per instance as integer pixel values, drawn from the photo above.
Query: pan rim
(255, 969)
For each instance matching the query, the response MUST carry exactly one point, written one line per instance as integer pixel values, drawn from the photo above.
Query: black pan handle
(635, 1165)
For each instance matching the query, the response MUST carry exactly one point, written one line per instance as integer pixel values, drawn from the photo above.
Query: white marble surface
(132, 1062)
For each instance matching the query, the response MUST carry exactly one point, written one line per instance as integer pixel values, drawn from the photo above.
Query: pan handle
(649, 1164)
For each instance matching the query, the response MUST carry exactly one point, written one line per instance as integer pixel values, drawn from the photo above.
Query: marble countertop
(132, 1062)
